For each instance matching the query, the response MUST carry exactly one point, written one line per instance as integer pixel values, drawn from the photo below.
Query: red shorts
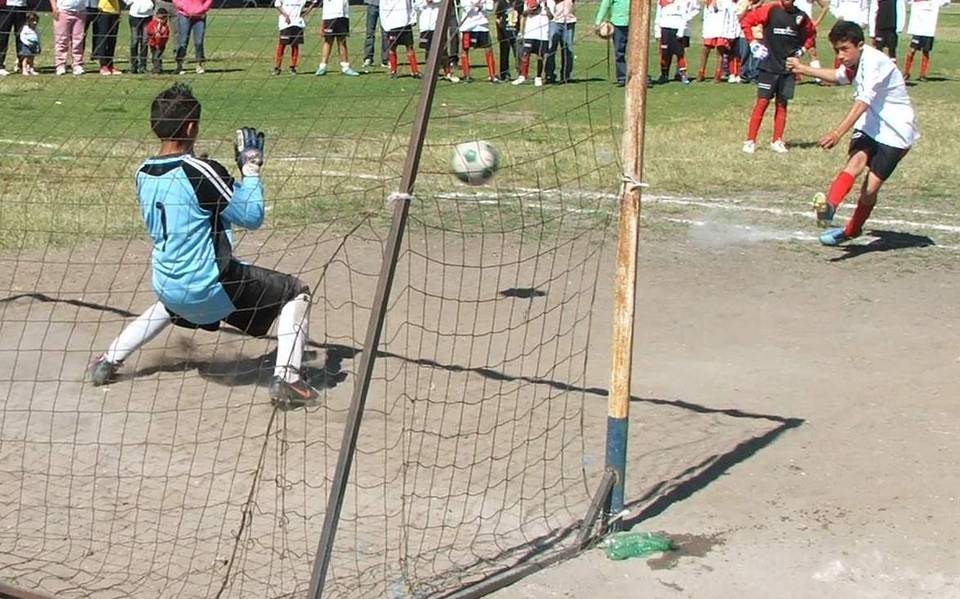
(716, 42)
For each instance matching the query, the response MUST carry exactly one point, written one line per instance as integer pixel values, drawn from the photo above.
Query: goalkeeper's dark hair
(846, 31)
(172, 110)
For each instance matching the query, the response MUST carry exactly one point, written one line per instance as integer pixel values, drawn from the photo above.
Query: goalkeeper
(188, 205)
(787, 31)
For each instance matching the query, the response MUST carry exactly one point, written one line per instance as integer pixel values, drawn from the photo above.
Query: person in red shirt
(787, 31)
(158, 32)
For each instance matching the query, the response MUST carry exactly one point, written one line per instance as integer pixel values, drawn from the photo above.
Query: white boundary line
(29, 143)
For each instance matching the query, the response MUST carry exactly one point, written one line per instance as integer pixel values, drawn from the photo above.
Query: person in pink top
(191, 19)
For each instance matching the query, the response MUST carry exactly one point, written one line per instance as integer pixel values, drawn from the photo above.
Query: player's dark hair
(172, 110)
(162, 12)
(846, 31)
(32, 16)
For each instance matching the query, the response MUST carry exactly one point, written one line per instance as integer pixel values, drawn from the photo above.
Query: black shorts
(685, 41)
(426, 38)
(881, 158)
(400, 37)
(775, 85)
(538, 47)
(291, 36)
(258, 294)
(339, 27)
(923, 43)
(886, 39)
(670, 43)
(475, 39)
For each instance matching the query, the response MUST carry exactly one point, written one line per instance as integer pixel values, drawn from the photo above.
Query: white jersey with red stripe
(856, 11)
(878, 83)
(474, 15)
(713, 19)
(924, 15)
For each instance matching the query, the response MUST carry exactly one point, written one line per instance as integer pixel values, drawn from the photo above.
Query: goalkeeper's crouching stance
(189, 205)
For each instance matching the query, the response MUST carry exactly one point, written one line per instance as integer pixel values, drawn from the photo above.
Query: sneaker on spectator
(367, 62)
(778, 146)
(452, 78)
(384, 65)
(321, 70)
(115, 71)
(519, 80)
(349, 72)
(276, 70)
(749, 146)
(200, 70)
(61, 70)
(77, 70)
(293, 70)
(30, 71)
(538, 82)
(4, 72)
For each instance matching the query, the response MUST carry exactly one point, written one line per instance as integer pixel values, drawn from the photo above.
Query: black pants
(11, 21)
(105, 30)
(88, 22)
(507, 42)
(138, 44)
(156, 55)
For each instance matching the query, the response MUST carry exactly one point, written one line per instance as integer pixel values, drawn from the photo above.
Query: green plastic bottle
(623, 545)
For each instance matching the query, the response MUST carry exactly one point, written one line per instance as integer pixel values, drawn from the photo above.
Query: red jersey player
(787, 31)
(882, 119)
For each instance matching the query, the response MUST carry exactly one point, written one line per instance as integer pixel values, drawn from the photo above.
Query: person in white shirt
(562, 27)
(475, 33)
(141, 11)
(855, 11)
(291, 23)
(426, 24)
(887, 20)
(336, 28)
(732, 34)
(713, 38)
(883, 122)
(13, 15)
(536, 35)
(29, 44)
(807, 7)
(671, 19)
(396, 19)
(922, 28)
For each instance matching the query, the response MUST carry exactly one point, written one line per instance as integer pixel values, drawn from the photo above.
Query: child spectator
(158, 32)
(191, 20)
(536, 33)
(427, 24)
(105, 30)
(671, 19)
(141, 11)
(786, 32)
(475, 33)
(561, 35)
(732, 33)
(619, 12)
(748, 63)
(713, 38)
(291, 23)
(13, 14)
(923, 26)
(887, 20)
(68, 19)
(29, 44)
(93, 11)
(506, 14)
(397, 18)
(336, 28)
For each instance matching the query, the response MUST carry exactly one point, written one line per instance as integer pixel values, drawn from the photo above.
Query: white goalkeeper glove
(249, 151)
(758, 50)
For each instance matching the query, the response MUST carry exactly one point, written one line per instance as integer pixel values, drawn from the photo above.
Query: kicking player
(882, 118)
(188, 205)
(787, 31)
(922, 28)
(397, 18)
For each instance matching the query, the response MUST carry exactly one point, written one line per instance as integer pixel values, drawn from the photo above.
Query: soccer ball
(474, 162)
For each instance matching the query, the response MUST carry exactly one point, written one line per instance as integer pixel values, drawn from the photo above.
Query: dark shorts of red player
(333, 28)
(881, 158)
(538, 47)
(475, 39)
(775, 85)
(402, 36)
(291, 36)
(886, 39)
(720, 43)
(670, 43)
(924, 43)
(426, 39)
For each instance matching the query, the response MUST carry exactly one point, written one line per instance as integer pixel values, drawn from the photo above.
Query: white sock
(323, 65)
(292, 330)
(136, 334)
(344, 66)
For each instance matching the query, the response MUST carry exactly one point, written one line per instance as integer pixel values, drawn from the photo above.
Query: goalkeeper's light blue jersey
(188, 205)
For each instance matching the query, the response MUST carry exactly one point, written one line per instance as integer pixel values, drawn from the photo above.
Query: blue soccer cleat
(824, 210)
(834, 237)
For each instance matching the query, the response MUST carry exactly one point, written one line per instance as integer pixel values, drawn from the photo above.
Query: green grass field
(70, 145)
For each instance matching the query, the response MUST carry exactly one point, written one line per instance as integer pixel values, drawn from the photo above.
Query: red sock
(779, 120)
(392, 60)
(447, 70)
(924, 65)
(718, 74)
(491, 64)
(756, 117)
(294, 56)
(855, 224)
(909, 66)
(735, 66)
(465, 65)
(682, 65)
(664, 64)
(412, 59)
(279, 56)
(840, 187)
(525, 66)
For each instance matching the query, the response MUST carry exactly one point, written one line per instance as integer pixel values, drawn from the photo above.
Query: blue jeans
(749, 66)
(185, 26)
(369, 40)
(620, 52)
(561, 34)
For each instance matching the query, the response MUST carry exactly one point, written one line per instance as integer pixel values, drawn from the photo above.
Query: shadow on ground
(885, 241)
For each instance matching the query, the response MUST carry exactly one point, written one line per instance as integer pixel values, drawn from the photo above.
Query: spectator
(158, 32)
(562, 27)
(105, 30)
(396, 19)
(475, 33)
(12, 18)
(336, 29)
(507, 16)
(369, 40)
(749, 64)
(427, 24)
(68, 22)
(191, 20)
(536, 28)
(141, 11)
(29, 43)
(93, 11)
(618, 12)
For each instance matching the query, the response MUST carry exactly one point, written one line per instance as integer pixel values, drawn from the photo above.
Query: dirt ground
(794, 422)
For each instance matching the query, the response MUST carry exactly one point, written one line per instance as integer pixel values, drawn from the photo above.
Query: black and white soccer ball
(475, 162)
